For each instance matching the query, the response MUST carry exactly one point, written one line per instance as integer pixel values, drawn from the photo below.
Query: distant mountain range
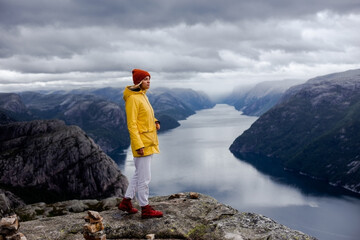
(257, 99)
(12, 108)
(313, 130)
(100, 112)
(102, 120)
(178, 103)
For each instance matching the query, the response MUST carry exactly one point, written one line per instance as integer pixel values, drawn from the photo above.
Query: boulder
(48, 161)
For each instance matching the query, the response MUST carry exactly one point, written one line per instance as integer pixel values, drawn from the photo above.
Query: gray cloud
(57, 43)
(142, 13)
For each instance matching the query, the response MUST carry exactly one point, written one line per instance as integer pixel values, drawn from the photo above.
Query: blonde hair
(136, 86)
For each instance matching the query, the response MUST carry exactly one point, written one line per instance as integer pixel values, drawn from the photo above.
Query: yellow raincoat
(140, 122)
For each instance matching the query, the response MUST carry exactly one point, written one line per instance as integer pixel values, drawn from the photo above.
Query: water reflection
(305, 184)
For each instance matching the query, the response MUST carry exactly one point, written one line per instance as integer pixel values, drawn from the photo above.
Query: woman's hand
(157, 125)
(140, 151)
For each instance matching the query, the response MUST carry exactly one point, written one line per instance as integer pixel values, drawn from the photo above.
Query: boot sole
(146, 217)
(127, 211)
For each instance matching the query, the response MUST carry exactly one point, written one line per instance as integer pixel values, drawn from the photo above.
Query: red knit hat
(139, 75)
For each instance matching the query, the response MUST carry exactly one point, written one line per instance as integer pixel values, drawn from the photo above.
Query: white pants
(140, 181)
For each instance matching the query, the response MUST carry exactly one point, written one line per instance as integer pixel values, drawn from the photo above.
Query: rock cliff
(46, 160)
(185, 217)
(313, 130)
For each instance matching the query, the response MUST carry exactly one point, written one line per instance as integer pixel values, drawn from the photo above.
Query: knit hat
(138, 75)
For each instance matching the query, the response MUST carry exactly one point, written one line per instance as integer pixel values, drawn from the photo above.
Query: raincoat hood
(129, 92)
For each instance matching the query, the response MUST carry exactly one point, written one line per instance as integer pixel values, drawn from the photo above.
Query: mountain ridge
(313, 130)
(100, 112)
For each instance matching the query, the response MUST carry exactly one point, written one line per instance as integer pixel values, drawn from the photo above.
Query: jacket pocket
(149, 138)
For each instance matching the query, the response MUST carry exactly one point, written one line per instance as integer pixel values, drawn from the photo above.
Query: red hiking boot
(126, 206)
(148, 212)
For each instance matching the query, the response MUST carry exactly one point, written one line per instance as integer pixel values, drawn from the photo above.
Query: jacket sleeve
(132, 108)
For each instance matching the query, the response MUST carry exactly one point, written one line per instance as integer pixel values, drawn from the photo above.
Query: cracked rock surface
(184, 218)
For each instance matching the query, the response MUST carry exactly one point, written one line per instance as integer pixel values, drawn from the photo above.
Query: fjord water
(196, 157)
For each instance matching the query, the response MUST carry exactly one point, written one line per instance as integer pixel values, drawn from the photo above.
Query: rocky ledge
(186, 216)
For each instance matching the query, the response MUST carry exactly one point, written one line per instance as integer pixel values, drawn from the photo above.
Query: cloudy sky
(204, 44)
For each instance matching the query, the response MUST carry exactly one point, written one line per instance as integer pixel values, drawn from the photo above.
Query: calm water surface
(195, 157)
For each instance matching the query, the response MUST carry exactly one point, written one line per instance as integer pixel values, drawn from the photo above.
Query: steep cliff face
(314, 130)
(201, 218)
(45, 160)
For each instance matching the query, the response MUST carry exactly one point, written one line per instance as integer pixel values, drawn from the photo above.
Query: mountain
(116, 95)
(101, 112)
(313, 130)
(12, 107)
(46, 160)
(195, 100)
(175, 103)
(170, 105)
(167, 104)
(102, 120)
(256, 100)
(108, 93)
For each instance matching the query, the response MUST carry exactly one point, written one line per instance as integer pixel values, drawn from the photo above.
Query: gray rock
(42, 210)
(5, 119)
(8, 202)
(184, 218)
(46, 160)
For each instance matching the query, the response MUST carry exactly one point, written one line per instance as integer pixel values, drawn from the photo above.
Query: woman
(142, 126)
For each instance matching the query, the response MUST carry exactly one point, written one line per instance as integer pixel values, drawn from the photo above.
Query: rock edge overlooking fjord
(184, 218)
